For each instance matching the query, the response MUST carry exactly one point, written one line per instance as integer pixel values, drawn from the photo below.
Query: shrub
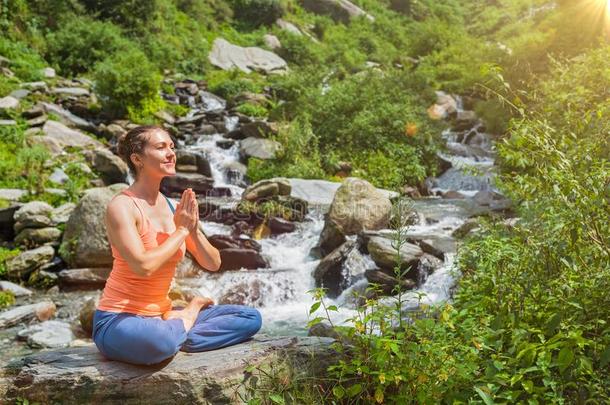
(81, 42)
(125, 80)
(257, 12)
(229, 84)
(26, 63)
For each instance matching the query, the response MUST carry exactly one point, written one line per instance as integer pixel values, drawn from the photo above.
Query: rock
(59, 176)
(12, 194)
(245, 293)
(358, 206)
(385, 255)
(83, 279)
(112, 168)
(252, 98)
(16, 289)
(323, 329)
(55, 265)
(429, 246)
(228, 56)
(237, 258)
(38, 121)
(288, 26)
(33, 237)
(322, 192)
(464, 120)
(114, 131)
(61, 214)
(8, 103)
(165, 116)
(181, 181)
(68, 118)
(84, 242)
(42, 279)
(7, 221)
(184, 157)
(331, 237)
(34, 85)
(23, 264)
(468, 226)
(69, 137)
(259, 148)
(386, 282)
(54, 146)
(338, 10)
(267, 188)
(35, 214)
(82, 375)
(70, 91)
(48, 334)
(211, 102)
(272, 42)
(328, 274)
(259, 129)
(48, 73)
(280, 225)
(42, 310)
(7, 123)
(85, 316)
(445, 106)
(19, 93)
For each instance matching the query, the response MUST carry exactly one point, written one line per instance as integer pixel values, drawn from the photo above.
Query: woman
(134, 320)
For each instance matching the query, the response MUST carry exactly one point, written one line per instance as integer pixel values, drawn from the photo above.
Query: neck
(147, 188)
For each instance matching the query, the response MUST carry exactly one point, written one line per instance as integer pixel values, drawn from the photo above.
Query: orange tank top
(125, 291)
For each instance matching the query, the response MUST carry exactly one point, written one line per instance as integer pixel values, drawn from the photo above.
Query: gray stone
(181, 181)
(23, 264)
(68, 118)
(84, 243)
(238, 258)
(288, 26)
(37, 121)
(54, 146)
(359, 206)
(59, 176)
(34, 85)
(112, 168)
(339, 10)
(7, 123)
(70, 91)
(272, 41)
(49, 334)
(84, 279)
(69, 137)
(12, 194)
(8, 103)
(322, 192)
(82, 375)
(61, 214)
(48, 73)
(387, 283)
(259, 129)
(331, 237)
(33, 237)
(42, 310)
(385, 255)
(228, 56)
(259, 148)
(19, 93)
(35, 214)
(267, 188)
(329, 272)
(16, 289)
(211, 102)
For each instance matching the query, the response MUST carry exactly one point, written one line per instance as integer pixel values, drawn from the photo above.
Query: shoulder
(120, 205)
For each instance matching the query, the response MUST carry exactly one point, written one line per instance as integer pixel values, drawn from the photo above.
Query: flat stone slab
(82, 375)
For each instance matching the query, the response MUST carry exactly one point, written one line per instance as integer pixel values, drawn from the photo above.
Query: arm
(206, 255)
(123, 234)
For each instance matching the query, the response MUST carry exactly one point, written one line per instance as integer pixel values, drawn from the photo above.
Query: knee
(256, 321)
(158, 348)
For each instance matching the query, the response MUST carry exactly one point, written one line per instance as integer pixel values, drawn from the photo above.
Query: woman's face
(159, 157)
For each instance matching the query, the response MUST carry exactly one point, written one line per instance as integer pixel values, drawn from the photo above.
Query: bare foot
(189, 314)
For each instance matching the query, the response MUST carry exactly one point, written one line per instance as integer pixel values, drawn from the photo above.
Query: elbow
(144, 268)
(216, 262)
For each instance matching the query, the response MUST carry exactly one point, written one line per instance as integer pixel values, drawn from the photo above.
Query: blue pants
(141, 339)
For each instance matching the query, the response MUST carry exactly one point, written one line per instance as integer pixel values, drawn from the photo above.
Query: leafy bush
(125, 80)
(257, 12)
(6, 254)
(252, 110)
(7, 298)
(229, 84)
(81, 42)
(26, 63)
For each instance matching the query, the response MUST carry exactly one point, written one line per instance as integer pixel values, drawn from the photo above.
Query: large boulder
(84, 279)
(259, 148)
(386, 256)
(111, 167)
(8, 103)
(359, 206)
(338, 10)
(67, 117)
(35, 214)
(34, 237)
(238, 258)
(69, 137)
(23, 264)
(85, 242)
(41, 310)
(48, 334)
(267, 188)
(227, 56)
(329, 273)
(82, 374)
(175, 185)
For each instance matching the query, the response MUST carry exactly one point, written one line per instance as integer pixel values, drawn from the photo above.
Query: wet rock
(280, 225)
(339, 10)
(76, 375)
(91, 278)
(468, 226)
(237, 258)
(68, 137)
(445, 106)
(16, 289)
(429, 246)
(42, 279)
(211, 102)
(387, 283)
(48, 334)
(55, 265)
(358, 205)
(328, 274)
(245, 293)
(464, 120)
(33, 237)
(228, 56)
(259, 148)
(84, 242)
(23, 264)
(331, 237)
(35, 214)
(267, 188)
(202, 165)
(259, 129)
(181, 181)
(385, 255)
(42, 311)
(111, 168)
(323, 329)
(427, 265)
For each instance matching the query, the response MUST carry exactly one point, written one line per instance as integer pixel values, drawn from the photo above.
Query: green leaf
(484, 396)
(354, 390)
(604, 359)
(338, 391)
(565, 358)
(276, 398)
(314, 307)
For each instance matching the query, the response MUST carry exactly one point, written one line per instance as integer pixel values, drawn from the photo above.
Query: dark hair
(134, 141)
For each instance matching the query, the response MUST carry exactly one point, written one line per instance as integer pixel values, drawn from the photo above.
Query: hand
(187, 212)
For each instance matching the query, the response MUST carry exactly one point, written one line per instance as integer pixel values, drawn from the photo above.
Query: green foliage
(7, 298)
(229, 84)
(391, 168)
(257, 12)
(26, 63)
(81, 42)
(131, 14)
(127, 80)
(252, 110)
(6, 254)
